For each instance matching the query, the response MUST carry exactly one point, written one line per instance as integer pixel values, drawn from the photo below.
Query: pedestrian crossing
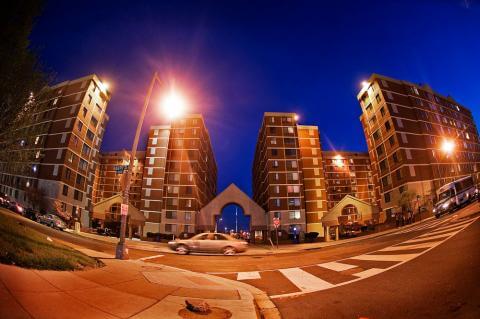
(306, 279)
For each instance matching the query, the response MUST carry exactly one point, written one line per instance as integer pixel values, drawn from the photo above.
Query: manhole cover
(213, 313)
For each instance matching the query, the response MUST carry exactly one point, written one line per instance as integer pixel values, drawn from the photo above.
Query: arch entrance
(210, 214)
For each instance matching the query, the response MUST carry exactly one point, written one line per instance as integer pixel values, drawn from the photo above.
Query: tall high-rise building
(111, 174)
(287, 174)
(417, 139)
(348, 173)
(55, 153)
(179, 177)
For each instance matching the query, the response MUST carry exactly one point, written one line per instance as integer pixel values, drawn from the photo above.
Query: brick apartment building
(179, 177)
(287, 174)
(109, 176)
(55, 152)
(348, 173)
(405, 125)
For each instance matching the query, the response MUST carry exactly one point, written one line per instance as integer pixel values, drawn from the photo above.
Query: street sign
(124, 209)
(120, 169)
(276, 222)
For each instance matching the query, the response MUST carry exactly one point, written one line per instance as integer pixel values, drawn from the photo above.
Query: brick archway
(231, 195)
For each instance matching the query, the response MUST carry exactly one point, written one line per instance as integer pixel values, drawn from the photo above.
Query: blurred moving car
(16, 208)
(53, 221)
(209, 243)
(4, 201)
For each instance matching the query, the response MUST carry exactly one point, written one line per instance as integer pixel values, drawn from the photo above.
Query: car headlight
(445, 206)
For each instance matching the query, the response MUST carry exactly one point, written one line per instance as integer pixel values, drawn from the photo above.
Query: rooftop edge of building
(423, 86)
(92, 76)
(346, 153)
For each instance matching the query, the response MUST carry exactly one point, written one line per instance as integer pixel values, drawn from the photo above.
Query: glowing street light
(338, 161)
(296, 117)
(448, 146)
(365, 85)
(174, 106)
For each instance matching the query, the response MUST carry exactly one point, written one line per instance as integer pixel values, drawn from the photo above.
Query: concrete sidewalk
(124, 289)
(254, 250)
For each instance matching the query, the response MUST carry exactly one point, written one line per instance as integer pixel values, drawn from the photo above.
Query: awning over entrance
(104, 207)
(364, 211)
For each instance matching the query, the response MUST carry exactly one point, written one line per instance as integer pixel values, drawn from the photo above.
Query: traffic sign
(124, 209)
(276, 222)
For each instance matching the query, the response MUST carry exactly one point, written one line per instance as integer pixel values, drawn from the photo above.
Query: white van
(454, 195)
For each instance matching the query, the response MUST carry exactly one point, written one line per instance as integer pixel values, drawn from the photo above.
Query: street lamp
(174, 106)
(448, 146)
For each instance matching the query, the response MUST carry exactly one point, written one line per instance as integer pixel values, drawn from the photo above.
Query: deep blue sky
(236, 60)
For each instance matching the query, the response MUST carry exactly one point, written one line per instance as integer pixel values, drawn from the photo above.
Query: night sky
(235, 60)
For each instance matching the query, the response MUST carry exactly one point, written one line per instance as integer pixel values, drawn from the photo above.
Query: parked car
(4, 200)
(31, 214)
(209, 243)
(16, 208)
(105, 232)
(52, 220)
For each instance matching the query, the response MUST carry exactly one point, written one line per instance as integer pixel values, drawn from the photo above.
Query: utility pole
(236, 220)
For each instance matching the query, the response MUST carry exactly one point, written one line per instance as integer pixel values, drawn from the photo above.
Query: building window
(273, 141)
(90, 135)
(79, 179)
(290, 152)
(391, 140)
(399, 174)
(274, 152)
(77, 195)
(55, 170)
(376, 135)
(294, 215)
(275, 163)
(68, 174)
(380, 150)
(86, 150)
(387, 197)
(170, 228)
(189, 190)
(188, 216)
(94, 121)
(170, 214)
(388, 126)
(295, 202)
(65, 190)
(82, 165)
(277, 215)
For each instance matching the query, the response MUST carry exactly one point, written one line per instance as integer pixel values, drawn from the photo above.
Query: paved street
(370, 278)
(375, 277)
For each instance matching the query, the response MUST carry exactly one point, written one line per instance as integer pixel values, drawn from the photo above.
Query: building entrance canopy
(231, 195)
(101, 209)
(361, 211)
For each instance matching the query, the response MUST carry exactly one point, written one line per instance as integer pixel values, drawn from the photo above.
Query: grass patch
(25, 247)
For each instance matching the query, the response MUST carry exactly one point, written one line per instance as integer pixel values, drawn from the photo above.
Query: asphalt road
(430, 270)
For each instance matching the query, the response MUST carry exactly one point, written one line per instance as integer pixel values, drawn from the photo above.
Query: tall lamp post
(174, 105)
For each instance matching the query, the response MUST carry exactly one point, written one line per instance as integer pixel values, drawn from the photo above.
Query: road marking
(334, 265)
(305, 281)
(438, 232)
(408, 247)
(369, 272)
(417, 239)
(248, 275)
(464, 222)
(150, 257)
(402, 257)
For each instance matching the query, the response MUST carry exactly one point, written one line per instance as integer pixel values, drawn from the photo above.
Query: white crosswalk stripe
(305, 281)
(409, 247)
(401, 257)
(248, 275)
(335, 265)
